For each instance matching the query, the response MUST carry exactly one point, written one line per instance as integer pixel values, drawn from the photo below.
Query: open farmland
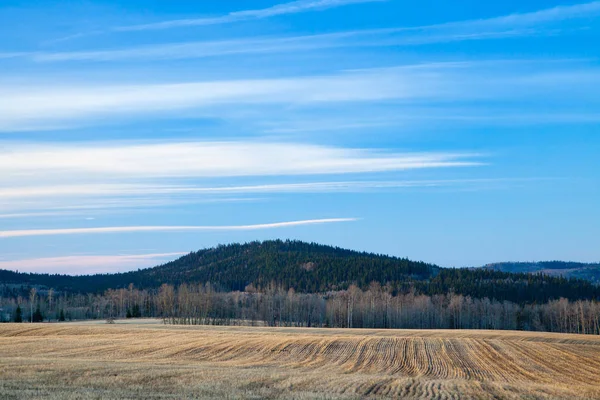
(138, 361)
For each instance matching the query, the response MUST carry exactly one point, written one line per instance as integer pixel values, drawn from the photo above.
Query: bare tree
(50, 298)
(32, 294)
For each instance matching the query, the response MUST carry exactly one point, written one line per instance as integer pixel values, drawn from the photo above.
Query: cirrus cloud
(125, 229)
(20, 162)
(293, 7)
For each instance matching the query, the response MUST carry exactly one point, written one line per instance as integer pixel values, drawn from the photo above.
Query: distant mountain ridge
(568, 269)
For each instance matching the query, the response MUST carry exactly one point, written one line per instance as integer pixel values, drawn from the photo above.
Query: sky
(458, 133)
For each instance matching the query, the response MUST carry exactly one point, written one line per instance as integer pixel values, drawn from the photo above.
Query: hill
(308, 267)
(568, 269)
(312, 268)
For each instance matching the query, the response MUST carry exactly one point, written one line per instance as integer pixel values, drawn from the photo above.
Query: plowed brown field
(156, 361)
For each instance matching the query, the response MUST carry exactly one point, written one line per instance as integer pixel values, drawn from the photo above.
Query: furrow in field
(407, 364)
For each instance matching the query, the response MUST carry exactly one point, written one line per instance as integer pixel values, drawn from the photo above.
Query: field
(149, 360)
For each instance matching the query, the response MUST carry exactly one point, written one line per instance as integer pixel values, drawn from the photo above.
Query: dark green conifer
(18, 314)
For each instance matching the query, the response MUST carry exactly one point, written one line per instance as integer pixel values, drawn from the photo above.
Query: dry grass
(143, 361)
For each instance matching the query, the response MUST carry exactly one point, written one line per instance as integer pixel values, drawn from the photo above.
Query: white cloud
(514, 25)
(559, 13)
(96, 161)
(125, 190)
(122, 229)
(293, 7)
(24, 107)
(191, 50)
(75, 207)
(411, 119)
(80, 200)
(200, 49)
(57, 105)
(88, 264)
(28, 214)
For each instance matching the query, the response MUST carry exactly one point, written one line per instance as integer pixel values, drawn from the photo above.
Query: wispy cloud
(79, 200)
(412, 119)
(78, 177)
(124, 229)
(537, 23)
(88, 264)
(559, 13)
(293, 7)
(36, 106)
(28, 107)
(78, 207)
(124, 190)
(292, 44)
(186, 50)
(512, 24)
(26, 215)
(102, 161)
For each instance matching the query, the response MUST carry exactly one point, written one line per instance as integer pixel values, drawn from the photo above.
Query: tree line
(376, 306)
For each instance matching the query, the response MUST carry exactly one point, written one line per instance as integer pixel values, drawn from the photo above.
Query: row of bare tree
(375, 307)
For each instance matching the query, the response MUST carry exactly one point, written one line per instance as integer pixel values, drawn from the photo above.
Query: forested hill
(307, 267)
(568, 269)
(310, 267)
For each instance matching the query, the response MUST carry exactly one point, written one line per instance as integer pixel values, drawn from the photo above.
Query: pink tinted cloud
(88, 264)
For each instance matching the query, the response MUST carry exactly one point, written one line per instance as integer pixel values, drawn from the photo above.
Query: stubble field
(149, 360)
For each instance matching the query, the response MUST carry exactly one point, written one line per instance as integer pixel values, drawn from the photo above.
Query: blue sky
(458, 133)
